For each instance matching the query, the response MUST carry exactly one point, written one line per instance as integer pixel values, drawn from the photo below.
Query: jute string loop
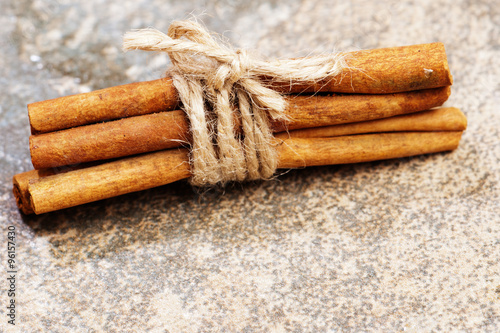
(218, 85)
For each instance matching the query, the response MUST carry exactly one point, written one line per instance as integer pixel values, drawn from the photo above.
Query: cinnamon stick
(388, 70)
(50, 193)
(22, 180)
(379, 71)
(117, 102)
(442, 119)
(146, 133)
(20, 187)
(303, 152)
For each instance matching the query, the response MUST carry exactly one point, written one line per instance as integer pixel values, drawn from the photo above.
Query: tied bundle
(241, 121)
(211, 79)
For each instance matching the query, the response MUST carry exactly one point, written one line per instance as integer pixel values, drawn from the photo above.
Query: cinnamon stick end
(446, 66)
(32, 108)
(22, 196)
(461, 120)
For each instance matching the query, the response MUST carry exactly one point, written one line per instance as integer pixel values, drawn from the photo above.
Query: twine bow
(211, 80)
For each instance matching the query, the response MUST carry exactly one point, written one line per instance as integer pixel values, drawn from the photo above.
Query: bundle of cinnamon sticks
(118, 140)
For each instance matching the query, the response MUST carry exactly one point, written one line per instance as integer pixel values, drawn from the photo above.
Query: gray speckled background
(403, 245)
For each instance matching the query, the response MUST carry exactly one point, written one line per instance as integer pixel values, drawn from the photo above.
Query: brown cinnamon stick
(50, 193)
(146, 133)
(101, 105)
(20, 188)
(317, 111)
(388, 70)
(302, 152)
(442, 119)
(21, 182)
(380, 71)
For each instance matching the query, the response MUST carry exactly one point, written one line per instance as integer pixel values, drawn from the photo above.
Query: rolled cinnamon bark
(138, 173)
(388, 70)
(124, 137)
(379, 71)
(20, 188)
(140, 134)
(303, 152)
(102, 105)
(316, 111)
(21, 182)
(442, 119)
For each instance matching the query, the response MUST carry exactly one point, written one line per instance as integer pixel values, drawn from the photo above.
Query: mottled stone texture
(403, 245)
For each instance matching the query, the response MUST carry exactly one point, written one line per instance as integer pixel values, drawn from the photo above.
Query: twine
(212, 79)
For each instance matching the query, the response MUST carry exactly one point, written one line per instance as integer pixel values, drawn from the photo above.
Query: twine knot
(221, 88)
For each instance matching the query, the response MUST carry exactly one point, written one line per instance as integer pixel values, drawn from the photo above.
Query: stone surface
(401, 245)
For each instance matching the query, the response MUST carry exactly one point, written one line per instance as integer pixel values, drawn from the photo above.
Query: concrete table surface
(403, 245)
